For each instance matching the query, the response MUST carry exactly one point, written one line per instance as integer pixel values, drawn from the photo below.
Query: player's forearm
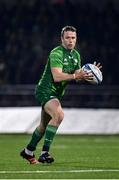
(63, 77)
(58, 75)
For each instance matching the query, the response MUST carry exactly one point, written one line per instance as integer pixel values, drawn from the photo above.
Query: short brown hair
(68, 28)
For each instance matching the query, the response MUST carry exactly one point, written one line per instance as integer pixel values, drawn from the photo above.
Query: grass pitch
(76, 157)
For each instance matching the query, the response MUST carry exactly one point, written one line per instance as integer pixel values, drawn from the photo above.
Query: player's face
(69, 39)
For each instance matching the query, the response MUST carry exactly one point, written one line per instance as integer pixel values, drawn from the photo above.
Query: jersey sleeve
(79, 62)
(55, 60)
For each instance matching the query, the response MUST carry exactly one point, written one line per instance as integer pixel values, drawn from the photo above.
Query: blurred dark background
(29, 29)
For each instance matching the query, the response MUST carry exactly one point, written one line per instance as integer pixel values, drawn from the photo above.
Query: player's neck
(69, 50)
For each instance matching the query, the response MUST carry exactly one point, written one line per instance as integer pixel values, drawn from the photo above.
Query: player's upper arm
(55, 71)
(56, 60)
(56, 65)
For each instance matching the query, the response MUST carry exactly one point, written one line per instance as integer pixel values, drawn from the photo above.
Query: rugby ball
(97, 74)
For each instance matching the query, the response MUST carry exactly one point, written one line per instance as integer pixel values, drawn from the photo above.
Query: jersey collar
(69, 51)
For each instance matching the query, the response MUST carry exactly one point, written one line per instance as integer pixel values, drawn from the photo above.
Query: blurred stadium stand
(30, 29)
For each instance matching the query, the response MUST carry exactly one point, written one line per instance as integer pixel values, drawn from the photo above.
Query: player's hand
(83, 75)
(97, 64)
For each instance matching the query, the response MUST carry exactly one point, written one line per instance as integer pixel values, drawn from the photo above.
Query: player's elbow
(56, 79)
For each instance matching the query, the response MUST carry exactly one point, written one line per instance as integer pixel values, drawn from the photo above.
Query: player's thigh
(53, 108)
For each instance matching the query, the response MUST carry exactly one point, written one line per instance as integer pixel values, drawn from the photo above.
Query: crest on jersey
(65, 61)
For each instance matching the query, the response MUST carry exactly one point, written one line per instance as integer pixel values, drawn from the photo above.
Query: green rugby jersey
(69, 61)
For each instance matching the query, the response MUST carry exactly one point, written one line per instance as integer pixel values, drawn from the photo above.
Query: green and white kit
(46, 88)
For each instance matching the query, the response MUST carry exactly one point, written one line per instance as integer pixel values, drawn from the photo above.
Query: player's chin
(70, 47)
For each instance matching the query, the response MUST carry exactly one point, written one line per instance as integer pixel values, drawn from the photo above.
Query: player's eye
(73, 38)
